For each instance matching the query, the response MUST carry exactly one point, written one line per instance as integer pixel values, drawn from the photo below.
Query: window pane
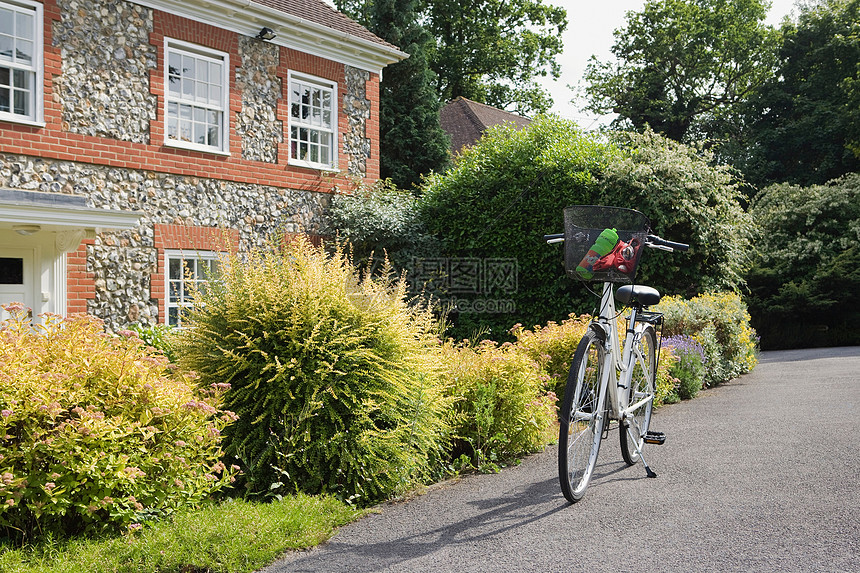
(7, 45)
(21, 79)
(215, 94)
(24, 28)
(215, 73)
(187, 88)
(173, 316)
(7, 17)
(11, 271)
(188, 66)
(202, 71)
(22, 102)
(5, 100)
(175, 269)
(5, 75)
(200, 133)
(24, 52)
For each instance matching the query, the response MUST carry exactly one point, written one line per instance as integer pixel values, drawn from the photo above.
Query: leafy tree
(489, 51)
(805, 121)
(493, 207)
(412, 142)
(683, 66)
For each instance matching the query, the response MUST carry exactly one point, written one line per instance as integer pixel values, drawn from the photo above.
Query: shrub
(158, 336)
(96, 432)
(807, 270)
(666, 386)
(552, 347)
(381, 220)
(689, 366)
(495, 205)
(720, 323)
(501, 407)
(688, 199)
(334, 375)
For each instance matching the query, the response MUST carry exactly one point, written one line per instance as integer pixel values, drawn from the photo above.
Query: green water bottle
(604, 244)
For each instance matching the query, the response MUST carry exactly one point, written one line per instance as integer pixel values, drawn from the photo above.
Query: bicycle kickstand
(633, 440)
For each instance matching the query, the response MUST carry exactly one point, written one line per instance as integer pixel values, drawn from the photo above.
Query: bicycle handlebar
(652, 241)
(660, 243)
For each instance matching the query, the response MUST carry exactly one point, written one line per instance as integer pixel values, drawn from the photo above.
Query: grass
(231, 537)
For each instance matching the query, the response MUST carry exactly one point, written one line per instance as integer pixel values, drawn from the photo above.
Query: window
(186, 272)
(312, 122)
(20, 61)
(196, 99)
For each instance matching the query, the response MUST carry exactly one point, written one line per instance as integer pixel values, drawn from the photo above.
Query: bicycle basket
(603, 244)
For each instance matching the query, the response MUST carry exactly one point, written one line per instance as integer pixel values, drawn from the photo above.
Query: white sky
(589, 32)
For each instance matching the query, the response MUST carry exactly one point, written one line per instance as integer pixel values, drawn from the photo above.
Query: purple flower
(682, 345)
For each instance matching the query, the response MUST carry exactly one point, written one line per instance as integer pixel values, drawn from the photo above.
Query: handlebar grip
(555, 238)
(655, 240)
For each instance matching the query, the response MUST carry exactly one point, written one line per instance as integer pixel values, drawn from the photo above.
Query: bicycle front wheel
(581, 420)
(642, 388)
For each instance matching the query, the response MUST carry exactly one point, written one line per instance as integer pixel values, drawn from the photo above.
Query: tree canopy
(683, 66)
(489, 51)
(804, 122)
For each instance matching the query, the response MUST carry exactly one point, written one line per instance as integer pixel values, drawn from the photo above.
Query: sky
(589, 31)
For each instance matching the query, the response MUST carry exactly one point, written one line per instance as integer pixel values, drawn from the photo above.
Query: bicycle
(604, 244)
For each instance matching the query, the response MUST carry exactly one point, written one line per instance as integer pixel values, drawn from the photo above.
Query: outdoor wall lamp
(266, 34)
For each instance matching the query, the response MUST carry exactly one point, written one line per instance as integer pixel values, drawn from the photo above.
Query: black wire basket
(603, 244)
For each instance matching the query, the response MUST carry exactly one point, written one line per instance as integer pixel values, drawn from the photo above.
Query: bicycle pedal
(657, 438)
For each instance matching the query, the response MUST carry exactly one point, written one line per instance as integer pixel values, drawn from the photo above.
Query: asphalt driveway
(760, 474)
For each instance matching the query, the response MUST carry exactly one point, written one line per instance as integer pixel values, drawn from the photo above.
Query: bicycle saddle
(637, 295)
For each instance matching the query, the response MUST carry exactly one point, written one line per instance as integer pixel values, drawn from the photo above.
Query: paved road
(761, 474)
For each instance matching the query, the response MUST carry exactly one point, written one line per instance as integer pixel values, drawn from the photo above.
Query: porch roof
(55, 211)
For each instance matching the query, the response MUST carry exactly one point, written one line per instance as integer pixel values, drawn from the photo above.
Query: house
(136, 135)
(466, 121)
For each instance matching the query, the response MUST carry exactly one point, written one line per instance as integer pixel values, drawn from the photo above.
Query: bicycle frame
(618, 359)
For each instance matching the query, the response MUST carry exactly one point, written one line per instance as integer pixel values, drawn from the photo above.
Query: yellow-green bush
(96, 432)
(721, 324)
(553, 346)
(502, 407)
(334, 375)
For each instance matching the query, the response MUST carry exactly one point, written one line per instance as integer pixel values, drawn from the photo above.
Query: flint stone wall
(106, 60)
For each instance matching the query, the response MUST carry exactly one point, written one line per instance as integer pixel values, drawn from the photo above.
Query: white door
(16, 278)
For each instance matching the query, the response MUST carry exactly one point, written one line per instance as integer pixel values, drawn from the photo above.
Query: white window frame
(197, 105)
(171, 282)
(297, 127)
(34, 70)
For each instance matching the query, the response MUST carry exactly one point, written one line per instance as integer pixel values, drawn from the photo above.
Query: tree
(805, 122)
(412, 142)
(494, 206)
(491, 51)
(683, 66)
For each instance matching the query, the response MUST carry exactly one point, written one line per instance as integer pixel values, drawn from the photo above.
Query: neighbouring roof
(466, 121)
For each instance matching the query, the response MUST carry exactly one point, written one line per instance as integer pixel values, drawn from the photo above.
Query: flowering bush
(96, 432)
(720, 323)
(502, 406)
(689, 367)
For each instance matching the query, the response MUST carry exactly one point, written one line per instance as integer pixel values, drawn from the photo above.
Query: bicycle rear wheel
(581, 421)
(642, 387)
